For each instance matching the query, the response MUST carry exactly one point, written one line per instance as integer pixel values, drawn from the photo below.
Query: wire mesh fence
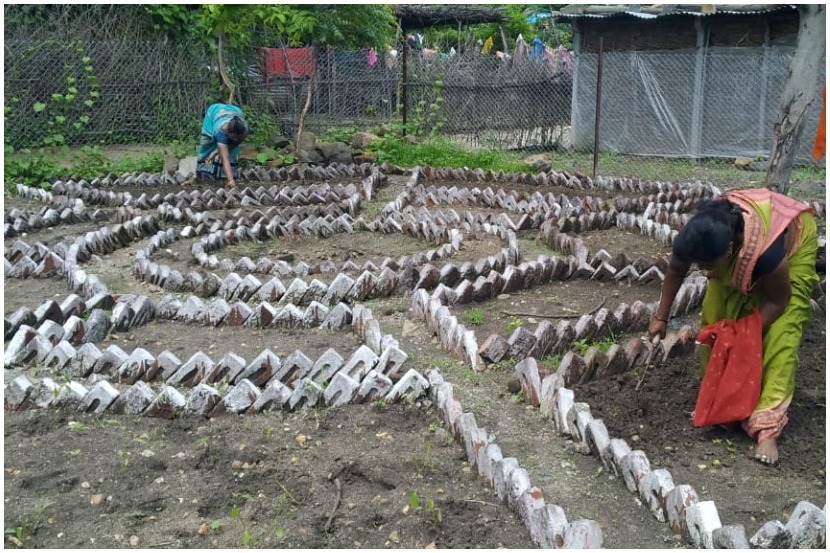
(76, 84)
(721, 102)
(102, 91)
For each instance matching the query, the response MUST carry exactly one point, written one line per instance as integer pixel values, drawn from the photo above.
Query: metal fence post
(699, 91)
(404, 86)
(597, 114)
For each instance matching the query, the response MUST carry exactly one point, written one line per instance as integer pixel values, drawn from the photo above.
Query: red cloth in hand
(732, 383)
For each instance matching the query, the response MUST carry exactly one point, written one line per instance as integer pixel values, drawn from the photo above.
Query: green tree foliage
(355, 25)
(544, 28)
(345, 25)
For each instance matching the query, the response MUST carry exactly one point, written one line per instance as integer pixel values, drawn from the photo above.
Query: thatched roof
(418, 16)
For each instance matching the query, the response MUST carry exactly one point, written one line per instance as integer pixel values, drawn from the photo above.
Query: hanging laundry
(538, 50)
(520, 55)
(391, 58)
(488, 45)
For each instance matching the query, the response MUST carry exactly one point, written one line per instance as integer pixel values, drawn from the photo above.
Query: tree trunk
(222, 72)
(799, 92)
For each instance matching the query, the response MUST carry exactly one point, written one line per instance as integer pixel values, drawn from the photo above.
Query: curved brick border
(290, 383)
(700, 518)
(547, 522)
(40, 260)
(679, 505)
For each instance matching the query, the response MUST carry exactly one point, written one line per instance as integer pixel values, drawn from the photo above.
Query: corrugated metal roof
(658, 10)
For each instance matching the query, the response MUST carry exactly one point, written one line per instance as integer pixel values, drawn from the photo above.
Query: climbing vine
(65, 114)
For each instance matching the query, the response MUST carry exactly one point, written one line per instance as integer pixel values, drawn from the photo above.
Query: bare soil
(270, 480)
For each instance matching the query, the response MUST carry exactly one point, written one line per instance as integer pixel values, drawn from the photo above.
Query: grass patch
(442, 152)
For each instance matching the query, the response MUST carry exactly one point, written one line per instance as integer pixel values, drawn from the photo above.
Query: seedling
(424, 464)
(602, 345)
(123, 459)
(248, 539)
(513, 325)
(519, 397)
(475, 317)
(433, 515)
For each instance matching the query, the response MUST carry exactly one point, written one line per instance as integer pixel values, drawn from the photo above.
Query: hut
(681, 80)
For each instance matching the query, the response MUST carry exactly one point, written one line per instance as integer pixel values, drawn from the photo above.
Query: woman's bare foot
(767, 451)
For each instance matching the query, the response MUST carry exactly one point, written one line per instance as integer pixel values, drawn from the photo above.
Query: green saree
(781, 340)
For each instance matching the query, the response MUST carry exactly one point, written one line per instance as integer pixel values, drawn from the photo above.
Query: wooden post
(504, 39)
(799, 92)
(597, 114)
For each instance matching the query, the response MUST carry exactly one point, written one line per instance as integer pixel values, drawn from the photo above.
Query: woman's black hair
(237, 126)
(708, 233)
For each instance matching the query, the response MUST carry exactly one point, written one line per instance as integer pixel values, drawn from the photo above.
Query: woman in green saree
(759, 250)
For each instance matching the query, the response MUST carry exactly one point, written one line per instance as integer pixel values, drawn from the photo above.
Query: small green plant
(432, 514)
(551, 362)
(507, 364)
(513, 324)
(475, 317)
(338, 134)
(603, 345)
(428, 116)
(216, 525)
(264, 124)
(28, 167)
(248, 539)
(123, 459)
(268, 432)
(379, 404)
(75, 452)
(581, 346)
(76, 426)
(234, 512)
(519, 397)
(424, 463)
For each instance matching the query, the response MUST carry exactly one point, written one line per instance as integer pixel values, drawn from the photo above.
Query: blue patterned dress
(214, 133)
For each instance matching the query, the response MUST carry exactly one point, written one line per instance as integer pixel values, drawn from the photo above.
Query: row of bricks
(287, 196)
(547, 523)
(204, 400)
(679, 505)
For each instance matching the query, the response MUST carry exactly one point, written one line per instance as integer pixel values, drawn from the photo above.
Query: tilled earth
(379, 475)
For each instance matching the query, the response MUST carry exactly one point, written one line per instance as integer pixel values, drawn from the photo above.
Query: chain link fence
(477, 99)
(722, 102)
(79, 83)
(93, 81)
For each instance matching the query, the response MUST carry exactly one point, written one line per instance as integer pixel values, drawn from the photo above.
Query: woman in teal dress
(223, 130)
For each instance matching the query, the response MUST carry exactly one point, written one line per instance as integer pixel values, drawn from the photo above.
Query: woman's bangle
(656, 318)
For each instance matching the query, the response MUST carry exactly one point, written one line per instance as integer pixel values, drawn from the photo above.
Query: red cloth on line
(732, 383)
